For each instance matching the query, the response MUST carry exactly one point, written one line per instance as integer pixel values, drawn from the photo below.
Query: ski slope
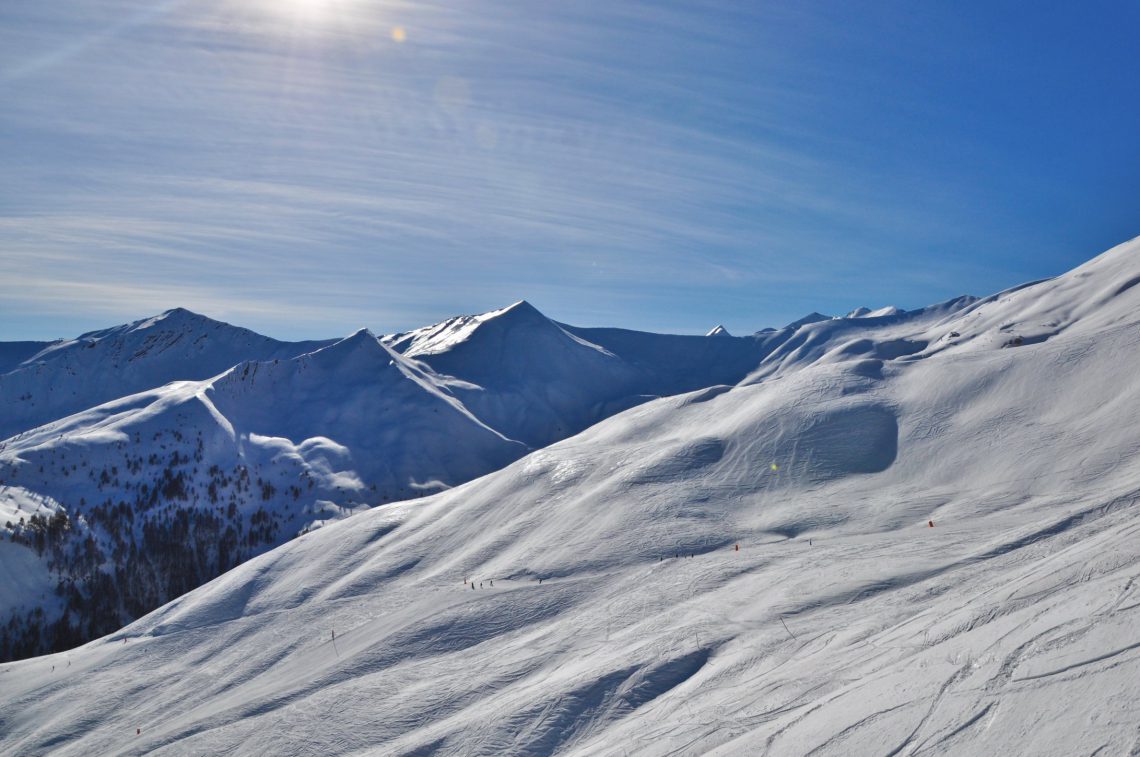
(927, 547)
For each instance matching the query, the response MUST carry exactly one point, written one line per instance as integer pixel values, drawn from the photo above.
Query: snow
(27, 582)
(810, 318)
(354, 422)
(537, 381)
(623, 616)
(73, 375)
(14, 353)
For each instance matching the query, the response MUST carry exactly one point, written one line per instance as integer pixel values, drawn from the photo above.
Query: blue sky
(306, 167)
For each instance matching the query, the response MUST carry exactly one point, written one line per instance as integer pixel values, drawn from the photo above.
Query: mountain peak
(362, 341)
(812, 317)
(361, 334)
(719, 331)
(174, 318)
(518, 311)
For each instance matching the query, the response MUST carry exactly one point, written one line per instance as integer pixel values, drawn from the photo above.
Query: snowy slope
(168, 488)
(539, 381)
(895, 335)
(403, 433)
(69, 376)
(843, 624)
(521, 373)
(14, 353)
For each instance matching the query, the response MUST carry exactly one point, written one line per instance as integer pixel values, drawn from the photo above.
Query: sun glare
(320, 15)
(316, 9)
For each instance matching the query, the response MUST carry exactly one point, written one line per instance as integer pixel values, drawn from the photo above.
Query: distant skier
(492, 583)
(930, 524)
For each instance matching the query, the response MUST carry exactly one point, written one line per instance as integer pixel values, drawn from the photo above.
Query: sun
(316, 10)
(324, 19)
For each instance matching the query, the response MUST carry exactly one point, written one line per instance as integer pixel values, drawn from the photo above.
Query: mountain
(812, 317)
(68, 376)
(521, 373)
(867, 554)
(405, 435)
(161, 490)
(539, 381)
(894, 336)
(165, 489)
(14, 353)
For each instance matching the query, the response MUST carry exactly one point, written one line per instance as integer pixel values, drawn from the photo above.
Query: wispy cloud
(602, 159)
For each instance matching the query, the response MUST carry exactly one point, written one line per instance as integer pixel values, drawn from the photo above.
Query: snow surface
(72, 375)
(277, 447)
(233, 465)
(813, 317)
(538, 381)
(938, 553)
(14, 353)
(355, 423)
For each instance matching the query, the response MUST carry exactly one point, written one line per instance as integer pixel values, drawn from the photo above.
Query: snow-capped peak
(719, 331)
(69, 376)
(521, 310)
(808, 319)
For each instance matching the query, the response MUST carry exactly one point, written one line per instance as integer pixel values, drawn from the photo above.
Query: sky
(308, 167)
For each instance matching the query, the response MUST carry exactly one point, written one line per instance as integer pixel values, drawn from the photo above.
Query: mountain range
(893, 532)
